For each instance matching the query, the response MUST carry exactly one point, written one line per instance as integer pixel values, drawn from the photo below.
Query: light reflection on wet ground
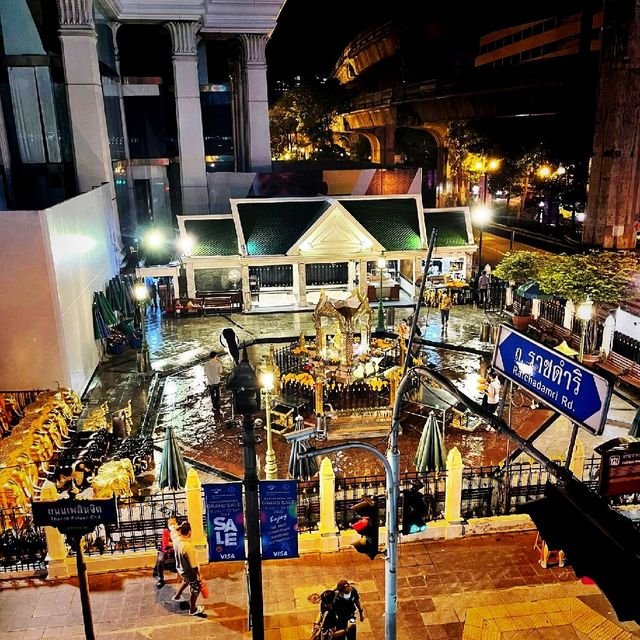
(185, 343)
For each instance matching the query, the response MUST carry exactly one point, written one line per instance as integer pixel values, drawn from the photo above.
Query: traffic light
(598, 541)
(414, 511)
(367, 526)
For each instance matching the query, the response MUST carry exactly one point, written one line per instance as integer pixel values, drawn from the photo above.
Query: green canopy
(532, 291)
(431, 454)
(173, 473)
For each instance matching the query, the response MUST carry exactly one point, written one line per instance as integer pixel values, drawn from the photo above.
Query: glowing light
(481, 215)
(585, 310)
(186, 245)
(561, 170)
(140, 291)
(544, 171)
(154, 239)
(382, 262)
(493, 164)
(477, 165)
(266, 380)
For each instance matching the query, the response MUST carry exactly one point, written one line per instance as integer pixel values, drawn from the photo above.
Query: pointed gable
(393, 222)
(212, 237)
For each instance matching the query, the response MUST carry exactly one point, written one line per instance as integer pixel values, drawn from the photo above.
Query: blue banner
(558, 381)
(279, 519)
(225, 521)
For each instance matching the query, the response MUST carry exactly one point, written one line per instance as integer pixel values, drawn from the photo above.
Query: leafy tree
(520, 267)
(301, 119)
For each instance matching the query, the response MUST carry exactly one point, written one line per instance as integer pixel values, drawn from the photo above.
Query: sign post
(559, 382)
(76, 518)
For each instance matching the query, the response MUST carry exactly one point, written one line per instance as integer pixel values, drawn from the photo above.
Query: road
(494, 247)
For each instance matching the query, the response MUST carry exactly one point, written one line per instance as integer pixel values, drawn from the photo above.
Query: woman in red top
(166, 548)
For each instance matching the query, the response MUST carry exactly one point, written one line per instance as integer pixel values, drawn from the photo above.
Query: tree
(300, 121)
(606, 277)
(520, 267)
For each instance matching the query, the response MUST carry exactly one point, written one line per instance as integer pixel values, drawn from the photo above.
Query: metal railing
(553, 311)
(23, 546)
(286, 361)
(308, 505)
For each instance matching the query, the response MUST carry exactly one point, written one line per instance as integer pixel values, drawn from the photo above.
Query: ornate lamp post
(244, 385)
(143, 360)
(380, 327)
(481, 215)
(584, 313)
(271, 466)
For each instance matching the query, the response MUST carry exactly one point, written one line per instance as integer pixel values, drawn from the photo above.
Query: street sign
(225, 521)
(75, 517)
(279, 519)
(559, 382)
(620, 466)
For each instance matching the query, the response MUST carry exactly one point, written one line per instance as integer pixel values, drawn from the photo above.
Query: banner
(279, 519)
(225, 521)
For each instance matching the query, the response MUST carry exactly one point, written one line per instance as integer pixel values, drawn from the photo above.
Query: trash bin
(390, 315)
(485, 331)
(495, 328)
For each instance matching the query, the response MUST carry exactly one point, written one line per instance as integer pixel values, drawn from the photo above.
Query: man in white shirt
(213, 371)
(186, 564)
(492, 393)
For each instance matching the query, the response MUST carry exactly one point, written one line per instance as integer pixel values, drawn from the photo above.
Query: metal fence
(308, 505)
(140, 524)
(286, 361)
(553, 311)
(22, 545)
(626, 346)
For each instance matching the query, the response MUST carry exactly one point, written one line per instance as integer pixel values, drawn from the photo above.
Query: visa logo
(227, 556)
(280, 554)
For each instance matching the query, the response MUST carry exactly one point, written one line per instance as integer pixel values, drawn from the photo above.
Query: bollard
(485, 331)
(495, 328)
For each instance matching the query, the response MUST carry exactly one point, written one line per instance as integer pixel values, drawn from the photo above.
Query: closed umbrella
(173, 473)
(431, 454)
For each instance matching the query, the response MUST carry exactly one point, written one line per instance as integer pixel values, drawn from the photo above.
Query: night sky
(311, 34)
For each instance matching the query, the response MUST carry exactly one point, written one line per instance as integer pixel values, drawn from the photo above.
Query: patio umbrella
(431, 454)
(531, 290)
(173, 473)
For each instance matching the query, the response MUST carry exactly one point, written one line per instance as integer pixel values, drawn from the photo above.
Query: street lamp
(485, 165)
(481, 215)
(584, 313)
(271, 466)
(243, 384)
(380, 327)
(143, 361)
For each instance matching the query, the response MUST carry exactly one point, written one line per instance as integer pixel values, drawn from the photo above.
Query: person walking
(491, 398)
(346, 604)
(445, 306)
(213, 372)
(483, 288)
(326, 625)
(186, 565)
(153, 294)
(165, 551)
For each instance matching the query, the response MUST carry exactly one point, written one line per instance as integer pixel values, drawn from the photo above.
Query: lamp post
(143, 361)
(380, 327)
(271, 466)
(481, 215)
(584, 313)
(244, 385)
(486, 166)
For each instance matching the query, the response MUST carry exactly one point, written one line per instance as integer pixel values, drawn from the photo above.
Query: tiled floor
(470, 589)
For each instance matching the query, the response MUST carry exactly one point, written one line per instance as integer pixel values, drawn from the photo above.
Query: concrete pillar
(193, 175)
(362, 276)
(246, 289)
(577, 459)
(569, 313)
(453, 490)
(351, 273)
(132, 222)
(256, 106)
(191, 279)
(56, 546)
(84, 95)
(327, 523)
(301, 268)
(195, 515)
(443, 187)
(237, 111)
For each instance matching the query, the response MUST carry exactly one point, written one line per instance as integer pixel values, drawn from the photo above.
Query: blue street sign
(279, 518)
(225, 521)
(559, 382)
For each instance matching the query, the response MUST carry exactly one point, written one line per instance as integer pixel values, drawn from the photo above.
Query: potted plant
(116, 341)
(605, 277)
(519, 268)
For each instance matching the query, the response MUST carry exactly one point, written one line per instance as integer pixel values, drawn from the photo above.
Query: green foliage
(604, 277)
(520, 267)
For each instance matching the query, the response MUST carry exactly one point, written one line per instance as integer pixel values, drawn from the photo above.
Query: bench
(631, 377)
(615, 364)
(186, 307)
(217, 304)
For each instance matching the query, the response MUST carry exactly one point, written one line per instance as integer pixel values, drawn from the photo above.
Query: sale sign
(225, 521)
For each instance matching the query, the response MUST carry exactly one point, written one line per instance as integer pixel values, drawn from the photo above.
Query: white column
(302, 283)
(535, 308)
(191, 279)
(362, 276)
(246, 288)
(193, 175)
(193, 495)
(351, 273)
(84, 95)
(256, 105)
(453, 490)
(327, 524)
(569, 313)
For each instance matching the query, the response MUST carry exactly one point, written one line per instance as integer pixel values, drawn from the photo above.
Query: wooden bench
(186, 307)
(631, 377)
(217, 304)
(615, 364)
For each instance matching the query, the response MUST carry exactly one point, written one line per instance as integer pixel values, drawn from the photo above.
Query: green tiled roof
(213, 237)
(392, 222)
(452, 227)
(272, 228)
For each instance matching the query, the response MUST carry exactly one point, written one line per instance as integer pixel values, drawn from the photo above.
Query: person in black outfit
(326, 626)
(346, 604)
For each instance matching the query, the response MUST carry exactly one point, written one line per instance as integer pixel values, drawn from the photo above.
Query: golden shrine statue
(347, 312)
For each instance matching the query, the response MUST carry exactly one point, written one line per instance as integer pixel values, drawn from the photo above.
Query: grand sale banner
(225, 521)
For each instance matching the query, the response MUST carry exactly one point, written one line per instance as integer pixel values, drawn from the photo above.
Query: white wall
(30, 325)
(628, 324)
(51, 262)
(84, 255)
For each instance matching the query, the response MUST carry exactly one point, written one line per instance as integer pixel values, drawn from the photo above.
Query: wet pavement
(179, 347)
